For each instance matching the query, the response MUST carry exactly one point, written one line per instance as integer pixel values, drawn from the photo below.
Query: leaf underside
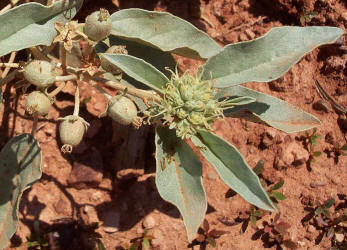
(269, 110)
(32, 24)
(20, 162)
(179, 178)
(268, 57)
(139, 70)
(232, 168)
(163, 31)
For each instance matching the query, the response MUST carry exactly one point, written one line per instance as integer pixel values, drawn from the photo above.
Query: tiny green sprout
(310, 141)
(323, 209)
(251, 216)
(306, 17)
(143, 241)
(188, 105)
(207, 236)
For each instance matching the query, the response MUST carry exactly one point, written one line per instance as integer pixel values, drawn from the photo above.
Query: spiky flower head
(188, 105)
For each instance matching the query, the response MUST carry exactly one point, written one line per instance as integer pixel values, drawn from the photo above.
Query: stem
(77, 101)
(63, 58)
(57, 90)
(143, 94)
(10, 61)
(9, 78)
(9, 6)
(65, 78)
(9, 65)
(33, 129)
(38, 54)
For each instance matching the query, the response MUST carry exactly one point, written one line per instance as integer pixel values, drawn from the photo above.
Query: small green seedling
(276, 233)
(36, 240)
(306, 17)
(310, 141)
(252, 216)
(149, 89)
(142, 242)
(207, 236)
(337, 151)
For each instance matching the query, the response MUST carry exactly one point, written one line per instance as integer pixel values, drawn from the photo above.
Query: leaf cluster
(207, 236)
(141, 242)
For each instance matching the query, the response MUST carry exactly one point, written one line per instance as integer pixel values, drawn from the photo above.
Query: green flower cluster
(188, 105)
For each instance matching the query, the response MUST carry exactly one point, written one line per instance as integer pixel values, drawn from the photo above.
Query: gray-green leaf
(269, 110)
(20, 162)
(233, 169)
(163, 31)
(139, 70)
(179, 178)
(268, 57)
(32, 24)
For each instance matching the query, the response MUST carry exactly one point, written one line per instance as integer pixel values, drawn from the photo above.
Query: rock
(322, 105)
(61, 207)
(89, 215)
(317, 184)
(311, 229)
(211, 176)
(111, 221)
(96, 196)
(88, 172)
(339, 237)
(250, 34)
(293, 154)
(148, 222)
(243, 37)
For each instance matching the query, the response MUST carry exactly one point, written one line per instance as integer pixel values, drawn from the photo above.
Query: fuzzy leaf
(233, 169)
(259, 167)
(243, 100)
(329, 202)
(269, 110)
(278, 196)
(163, 31)
(20, 162)
(139, 70)
(268, 57)
(179, 178)
(32, 24)
(277, 186)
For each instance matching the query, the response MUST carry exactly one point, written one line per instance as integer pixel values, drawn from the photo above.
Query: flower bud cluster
(188, 105)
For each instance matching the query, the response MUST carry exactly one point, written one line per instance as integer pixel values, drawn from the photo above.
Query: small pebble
(317, 184)
(148, 222)
(311, 229)
(211, 176)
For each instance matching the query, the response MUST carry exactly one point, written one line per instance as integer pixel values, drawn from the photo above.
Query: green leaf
(32, 24)
(243, 100)
(257, 213)
(20, 162)
(317, 153)
(233, 169)
(159, 59)
(139, 70)
(145, 244)
(100, 245)
(268, 57)
(277, 186)
(344, 147)
(179, 178)
(163, 31)
(328, 203)
(253, 220)
(259, 167)
(269, 110)
(278, 196)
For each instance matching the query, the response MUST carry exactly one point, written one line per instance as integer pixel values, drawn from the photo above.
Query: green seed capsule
(122, 110)
(71, 132)
(40, 73)
(38, 102)
(98, 25)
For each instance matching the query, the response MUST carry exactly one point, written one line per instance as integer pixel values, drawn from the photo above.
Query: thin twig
(9, 65)
(8, 78)
(77, 101)
(33, 129)
(323, 94)
(9, 6)
(10, 61)
(143, 94)
(57, 90)
(66, 78)
(63, 59)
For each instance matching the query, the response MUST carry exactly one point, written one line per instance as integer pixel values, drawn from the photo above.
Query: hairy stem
(57, 90)
(66, 78)
(63, 59)
(10, 61)
(77, 101)
(33, 129)
(9, 65)
(143, 94)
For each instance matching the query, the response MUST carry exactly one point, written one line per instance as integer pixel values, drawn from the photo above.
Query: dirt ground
(110, 177)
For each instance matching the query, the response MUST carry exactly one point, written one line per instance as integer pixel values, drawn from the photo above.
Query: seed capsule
(71, 132)
(122, 110)
(38, 102)
(98, 25)
(40, 73)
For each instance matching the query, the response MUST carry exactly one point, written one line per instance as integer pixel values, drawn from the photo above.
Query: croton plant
(131, 51)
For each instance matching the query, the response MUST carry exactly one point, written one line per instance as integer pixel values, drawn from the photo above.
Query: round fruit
(38, 102)
(71, 130)
(109, 67)
(98, 25)
(40, 73)
(122, 110)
